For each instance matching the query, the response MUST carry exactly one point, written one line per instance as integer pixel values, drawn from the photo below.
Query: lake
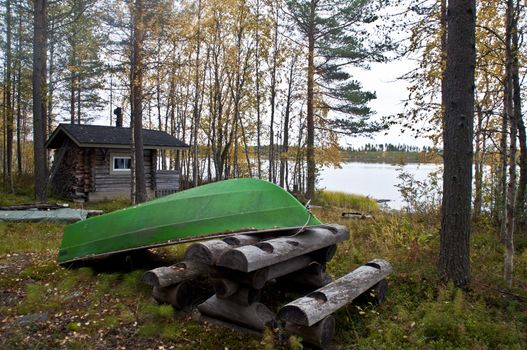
(377, 180)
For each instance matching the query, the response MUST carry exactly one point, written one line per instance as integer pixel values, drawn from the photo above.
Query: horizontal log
(325, 254)
(208, 252)
(167, 172)
(166, 182)
(308, 310)
(253, 257)
(165, 177)
(38, 206)
(313, 276)
(255, 316)
(241, 240)
(355, 215)
(118, 178)
(168, 187)
(168, 275)
(224, 288)
(319, 334)
(374, 295)
(244, 296)
(179, 295)
(260, 277)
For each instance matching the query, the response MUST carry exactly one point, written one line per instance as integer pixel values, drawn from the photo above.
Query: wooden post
(253, 257)
(153, 171)
(308, 310)
(313, 276)
(319, 334)
(224, 288)
(179, 295)
(245, 296)
(260, 277)
(255, 315)
(325, 254)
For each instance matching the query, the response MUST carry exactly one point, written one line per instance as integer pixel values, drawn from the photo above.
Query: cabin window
(120, 164)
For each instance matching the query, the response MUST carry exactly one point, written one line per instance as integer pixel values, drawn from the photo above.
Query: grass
(85, 308)
(346, 200)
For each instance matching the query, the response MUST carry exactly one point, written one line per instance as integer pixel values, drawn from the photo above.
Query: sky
(391, 93)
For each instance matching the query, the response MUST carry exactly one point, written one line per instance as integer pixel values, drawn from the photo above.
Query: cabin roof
(109, 136)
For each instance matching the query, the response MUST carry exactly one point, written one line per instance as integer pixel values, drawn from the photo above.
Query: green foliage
(418, 312)
(268, 339)
(338, 34)
(421, 196)
(24, 190)
(295, 343)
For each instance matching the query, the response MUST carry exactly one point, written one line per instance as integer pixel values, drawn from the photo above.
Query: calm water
(377, 180)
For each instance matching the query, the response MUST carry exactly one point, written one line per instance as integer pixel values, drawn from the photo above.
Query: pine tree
(335, 39)
(454, 255)
(40, 8)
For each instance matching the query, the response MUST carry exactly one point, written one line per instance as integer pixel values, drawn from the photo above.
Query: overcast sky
(391, 93)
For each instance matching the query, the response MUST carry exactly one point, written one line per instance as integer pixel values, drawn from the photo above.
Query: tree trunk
(40, 42)
(478, 164)
(79, 118)
(285, 144)
(72, 99)
(19, 95)
(137, 95)
(196, 112)
(454, 255)
(509, 91)
(443, 23)
(8, 101)
(272, 175)
(522, 183)
(51, 87)
(258, 96)
(311, 166)
(521, 198)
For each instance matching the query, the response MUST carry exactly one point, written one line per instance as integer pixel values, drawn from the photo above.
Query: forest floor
(45, 306)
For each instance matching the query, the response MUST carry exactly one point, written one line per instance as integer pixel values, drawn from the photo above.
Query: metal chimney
(118, 117)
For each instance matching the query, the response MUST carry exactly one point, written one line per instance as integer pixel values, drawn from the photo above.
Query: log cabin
(93, 162)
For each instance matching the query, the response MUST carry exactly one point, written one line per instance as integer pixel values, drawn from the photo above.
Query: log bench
(240, 268)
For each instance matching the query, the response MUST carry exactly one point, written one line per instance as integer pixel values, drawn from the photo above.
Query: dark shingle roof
(99, 135)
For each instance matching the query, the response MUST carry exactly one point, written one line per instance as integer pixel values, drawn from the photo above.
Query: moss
(74, 326)
(68, 282)
(39, 298)
(108, 322)
(39, 272)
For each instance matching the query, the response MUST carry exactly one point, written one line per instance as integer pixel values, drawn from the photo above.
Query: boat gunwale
(204, 237)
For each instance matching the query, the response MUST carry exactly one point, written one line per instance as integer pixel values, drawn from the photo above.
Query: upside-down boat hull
(239, 205)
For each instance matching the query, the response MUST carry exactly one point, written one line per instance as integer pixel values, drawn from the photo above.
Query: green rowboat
(239, 205)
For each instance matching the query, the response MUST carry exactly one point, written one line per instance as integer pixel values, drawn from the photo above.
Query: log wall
(85, 174)
(68, 180)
